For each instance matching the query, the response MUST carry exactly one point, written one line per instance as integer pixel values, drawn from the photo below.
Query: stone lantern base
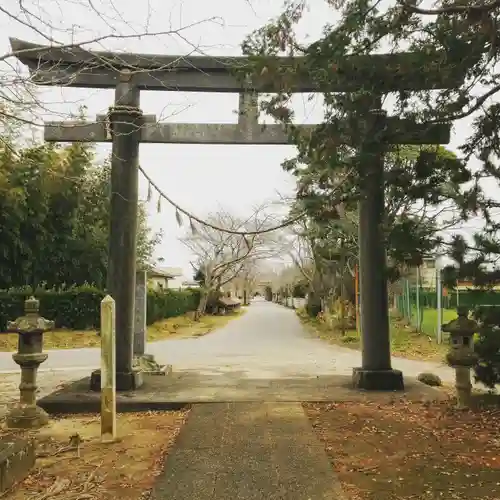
(26, 417)
(377, 380)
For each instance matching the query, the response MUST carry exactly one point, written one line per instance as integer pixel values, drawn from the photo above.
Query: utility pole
(439, 292)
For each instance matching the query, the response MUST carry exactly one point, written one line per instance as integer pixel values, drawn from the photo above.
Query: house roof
(165, 272)
(190, 283)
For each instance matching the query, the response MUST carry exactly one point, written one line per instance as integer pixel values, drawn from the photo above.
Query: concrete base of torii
(377, 380)
(130, 381)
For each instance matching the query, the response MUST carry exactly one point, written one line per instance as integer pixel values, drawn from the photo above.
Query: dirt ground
(124, 470)
(412, 451)
(178, 327)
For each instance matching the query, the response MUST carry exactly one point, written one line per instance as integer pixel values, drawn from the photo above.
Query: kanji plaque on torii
(125, 127)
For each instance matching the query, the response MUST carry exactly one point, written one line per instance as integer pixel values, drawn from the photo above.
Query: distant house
(190, 284)
(468, 285)
(181, 282)
(160, 278)
(428, 273)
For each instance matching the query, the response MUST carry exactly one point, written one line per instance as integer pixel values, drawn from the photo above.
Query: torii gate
(125, 127)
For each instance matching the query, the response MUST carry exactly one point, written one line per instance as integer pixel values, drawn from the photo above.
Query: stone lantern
(461, 355)
(30, 329)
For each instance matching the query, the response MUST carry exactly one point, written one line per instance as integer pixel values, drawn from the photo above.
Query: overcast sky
(199, 178)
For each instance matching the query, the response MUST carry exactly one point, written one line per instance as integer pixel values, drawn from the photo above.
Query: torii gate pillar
(126, 121)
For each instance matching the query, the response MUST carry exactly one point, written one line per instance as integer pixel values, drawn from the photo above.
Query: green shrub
(349, 339)
(78, 308)
(169, 303)
(299, 291)
(487, 346)
(75, 308)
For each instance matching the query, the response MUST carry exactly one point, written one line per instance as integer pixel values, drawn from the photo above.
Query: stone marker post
(30, 328)
(140, 313)
(461, 356)
(108, 370)
(143, 363)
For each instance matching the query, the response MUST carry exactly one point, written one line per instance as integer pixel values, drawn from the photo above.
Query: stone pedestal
(22, 416)
(463, 386)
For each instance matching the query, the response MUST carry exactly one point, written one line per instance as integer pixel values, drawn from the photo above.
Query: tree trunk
(202, 304)
(342, 291)
(314, 305)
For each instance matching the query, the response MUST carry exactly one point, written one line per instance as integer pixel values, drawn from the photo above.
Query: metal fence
(426, 309)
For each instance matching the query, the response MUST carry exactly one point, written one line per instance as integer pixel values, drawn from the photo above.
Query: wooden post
(108, 370)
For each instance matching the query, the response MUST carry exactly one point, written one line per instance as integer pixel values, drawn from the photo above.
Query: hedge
(78, 308)
(170, 303)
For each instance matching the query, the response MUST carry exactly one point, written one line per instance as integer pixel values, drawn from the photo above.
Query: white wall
(158, 283)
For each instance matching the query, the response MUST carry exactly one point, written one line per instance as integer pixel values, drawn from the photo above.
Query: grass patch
(430, 319)
(410, 450)
(181, 326)
(405, 341)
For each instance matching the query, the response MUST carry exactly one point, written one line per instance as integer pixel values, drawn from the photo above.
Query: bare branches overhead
(74, 27)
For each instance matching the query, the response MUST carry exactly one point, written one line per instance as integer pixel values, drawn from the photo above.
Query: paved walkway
(268, 342)
(247, 451)
(264, 355)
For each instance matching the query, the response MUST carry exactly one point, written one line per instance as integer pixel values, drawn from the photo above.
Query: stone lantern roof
(462, 325)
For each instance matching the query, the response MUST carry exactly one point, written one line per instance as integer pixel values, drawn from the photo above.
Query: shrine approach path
(267, 342)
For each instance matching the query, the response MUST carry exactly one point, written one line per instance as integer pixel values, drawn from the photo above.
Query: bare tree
(221, 257)
(73, 28)
(246, 281)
